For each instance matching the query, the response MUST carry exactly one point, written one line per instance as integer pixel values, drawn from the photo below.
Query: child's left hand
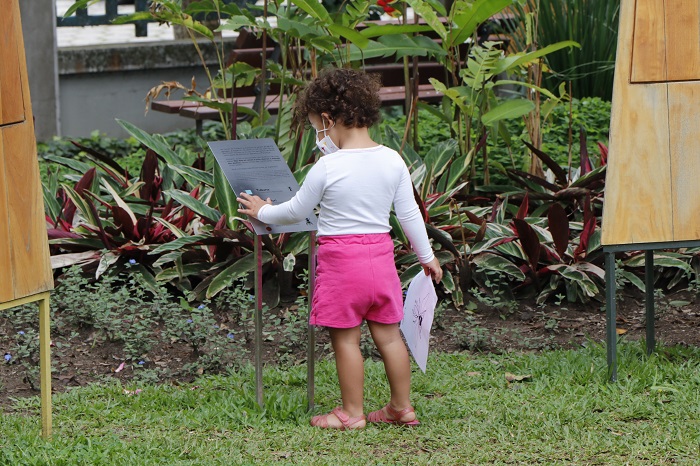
(250, 205)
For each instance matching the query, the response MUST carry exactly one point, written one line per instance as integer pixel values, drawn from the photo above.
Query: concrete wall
(76, 90)
(99, 84)
(39, 31)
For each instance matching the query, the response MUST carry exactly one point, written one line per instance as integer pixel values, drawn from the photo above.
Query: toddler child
(355, 183)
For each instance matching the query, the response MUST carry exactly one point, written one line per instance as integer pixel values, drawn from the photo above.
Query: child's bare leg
(351, 370)
(396, 364)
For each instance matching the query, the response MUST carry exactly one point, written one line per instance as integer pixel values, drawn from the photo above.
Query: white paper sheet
(418, 313)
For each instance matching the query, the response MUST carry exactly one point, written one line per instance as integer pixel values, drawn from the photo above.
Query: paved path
(113, 34)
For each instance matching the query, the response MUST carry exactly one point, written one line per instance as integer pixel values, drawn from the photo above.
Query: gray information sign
(256, 167)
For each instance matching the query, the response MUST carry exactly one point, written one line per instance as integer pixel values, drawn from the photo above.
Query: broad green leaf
(242, 266)
(303, 29)
(541, 90)
(594, 242)
(385, 46)
(452, 93)
(120, 202)
(107, 259)
(410, 156)
(168, 257)
(145, 277)
(87, 243)
(195, 205)
(409, 273)
(138, 16)
(512, 249)
(458, 168)
(391, 29)
(79, 4)
(66, 260)
(51, 206)
(508, 110)
(314, 9)
(500, 264)
(633, 279)
(469, 18)
(176, 231)
(300, 175)
(660, 261)
(583, 181)
(225, 197)
(448, 281)
(192, 174)
(523, 58)
(485, 245)
(172, 273)
(178, 243)
(433, 110)
(156, 143)
(81, 204)
(350, 34)
(298, 243)
(396, 229)
(578, 276)
(439, 156)
(427, 12)
(78, 166)
(234, 23)
(429, 44)
(590, 268)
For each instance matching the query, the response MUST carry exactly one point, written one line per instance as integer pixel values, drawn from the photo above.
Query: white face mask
(326, 145)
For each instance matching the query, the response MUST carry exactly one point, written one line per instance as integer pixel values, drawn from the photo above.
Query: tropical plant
(593, 24)
(471, 106)
(165, 221)
(551, 241)
(177, 221)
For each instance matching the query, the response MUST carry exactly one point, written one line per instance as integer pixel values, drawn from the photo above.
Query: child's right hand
(250, 205)
(433, 268)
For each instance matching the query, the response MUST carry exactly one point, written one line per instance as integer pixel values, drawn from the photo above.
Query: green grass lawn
(565, 413)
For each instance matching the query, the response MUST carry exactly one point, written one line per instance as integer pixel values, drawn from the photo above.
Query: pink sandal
(346, 421)
(380, 416)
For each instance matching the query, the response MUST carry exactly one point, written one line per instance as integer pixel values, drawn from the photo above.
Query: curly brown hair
(348, 96)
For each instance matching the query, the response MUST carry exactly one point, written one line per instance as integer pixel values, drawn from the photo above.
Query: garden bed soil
(524, 326)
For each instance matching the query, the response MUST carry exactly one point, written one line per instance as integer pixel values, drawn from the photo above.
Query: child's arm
(294, 210)
(411, 221)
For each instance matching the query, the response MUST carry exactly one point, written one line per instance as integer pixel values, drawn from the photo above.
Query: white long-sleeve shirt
(356, 189)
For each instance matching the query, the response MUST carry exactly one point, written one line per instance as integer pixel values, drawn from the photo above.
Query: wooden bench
(391, 95)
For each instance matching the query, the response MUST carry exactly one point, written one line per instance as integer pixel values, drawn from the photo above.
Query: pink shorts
(356, 280)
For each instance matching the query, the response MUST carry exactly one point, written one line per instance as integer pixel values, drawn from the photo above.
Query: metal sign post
(256, 166)
(311, 342)
(258, 322)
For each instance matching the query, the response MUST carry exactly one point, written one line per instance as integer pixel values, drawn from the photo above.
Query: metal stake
(258, 322)
(311, 349)
(611, 315)
(649, 292)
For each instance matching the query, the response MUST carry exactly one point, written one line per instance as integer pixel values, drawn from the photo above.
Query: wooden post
(44, 354)
(25, 268)
(651, 191)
